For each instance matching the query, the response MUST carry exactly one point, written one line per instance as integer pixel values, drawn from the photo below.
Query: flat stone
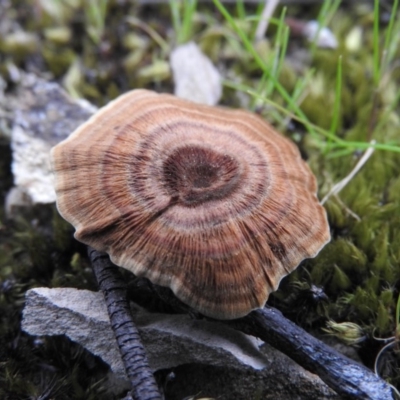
(173, 341)
(82, 315)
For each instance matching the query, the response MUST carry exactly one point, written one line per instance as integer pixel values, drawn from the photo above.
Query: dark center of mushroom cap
(195, 174)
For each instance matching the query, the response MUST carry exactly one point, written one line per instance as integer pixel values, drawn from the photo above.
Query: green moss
(359, 270)
(58, 59)
(340, 280)
(336, 214)
(19, 44)
(383, 319)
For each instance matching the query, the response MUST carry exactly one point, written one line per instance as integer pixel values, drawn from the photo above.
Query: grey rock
(44, 115)
(209, 356)
(16, 199)
(195, 77)
(323, 36)
(5, 114)
(82, 314)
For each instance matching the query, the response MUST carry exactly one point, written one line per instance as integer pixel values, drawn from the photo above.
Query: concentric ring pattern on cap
(208, 201)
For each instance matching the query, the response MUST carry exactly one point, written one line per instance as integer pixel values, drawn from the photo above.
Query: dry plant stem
(340, 185)
(144, 386)
(346, 377)
(269, 9)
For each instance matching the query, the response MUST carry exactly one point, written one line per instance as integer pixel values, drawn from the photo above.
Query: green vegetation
(334, 103)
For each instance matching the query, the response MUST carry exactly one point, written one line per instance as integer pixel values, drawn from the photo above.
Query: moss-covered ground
(332, 102)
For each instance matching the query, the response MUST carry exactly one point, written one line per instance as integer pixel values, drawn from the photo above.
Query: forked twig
(340, 185)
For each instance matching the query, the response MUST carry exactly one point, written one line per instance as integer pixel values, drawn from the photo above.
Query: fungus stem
(144, 386)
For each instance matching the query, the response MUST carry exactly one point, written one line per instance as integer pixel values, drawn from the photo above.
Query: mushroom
(208, 201)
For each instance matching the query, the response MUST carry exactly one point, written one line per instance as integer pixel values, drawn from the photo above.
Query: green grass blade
(376, 50)
(389, 38)
(175, 14)
(326, 13)
(240, 10)
(264, 67)
(190, 7)
(338, 95)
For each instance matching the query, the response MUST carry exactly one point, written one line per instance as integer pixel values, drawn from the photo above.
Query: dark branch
(144, 386)
(345, 376)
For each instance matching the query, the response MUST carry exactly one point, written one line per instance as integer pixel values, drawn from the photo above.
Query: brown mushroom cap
(208, 201)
